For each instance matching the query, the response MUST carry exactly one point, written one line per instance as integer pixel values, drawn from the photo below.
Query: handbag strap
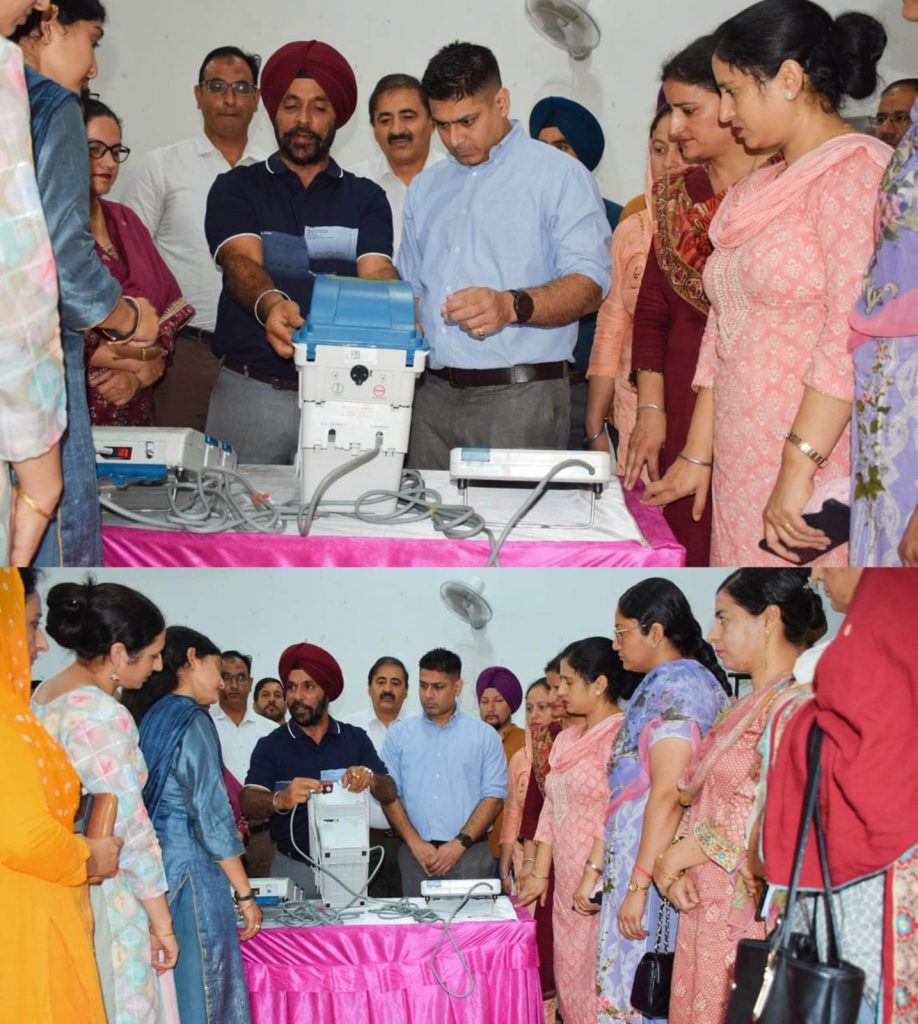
(810, 803)
(833, 953)
(662, 937)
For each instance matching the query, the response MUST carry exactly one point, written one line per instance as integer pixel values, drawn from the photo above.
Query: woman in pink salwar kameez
(765, 619)
(576, 795)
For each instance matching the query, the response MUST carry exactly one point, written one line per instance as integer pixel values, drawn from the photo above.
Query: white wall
(359, 615)
(152, 49)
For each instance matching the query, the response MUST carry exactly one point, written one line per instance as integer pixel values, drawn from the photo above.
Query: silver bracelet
(267, 291)
(694, 461)
(594, 437)
(651, 405)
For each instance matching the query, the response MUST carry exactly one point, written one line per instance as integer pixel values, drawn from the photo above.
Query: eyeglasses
(619, 633)
(238, 677)
(219, 87)
(897, 117)
(98, 149)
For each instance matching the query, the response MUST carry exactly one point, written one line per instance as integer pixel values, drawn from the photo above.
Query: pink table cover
(126, 546)
(381, 974)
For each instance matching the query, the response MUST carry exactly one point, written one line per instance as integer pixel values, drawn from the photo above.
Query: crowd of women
(649, 809)
(739, 307)
(636, 812)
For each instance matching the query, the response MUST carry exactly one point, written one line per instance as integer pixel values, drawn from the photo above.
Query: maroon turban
(506, 684)
(310, 59)
(317, 663)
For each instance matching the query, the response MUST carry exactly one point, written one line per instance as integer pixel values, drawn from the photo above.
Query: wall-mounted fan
(567, 24)
(467, 601)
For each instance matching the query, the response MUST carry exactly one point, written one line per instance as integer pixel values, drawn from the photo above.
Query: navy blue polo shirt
(288, 753)
(321, 228)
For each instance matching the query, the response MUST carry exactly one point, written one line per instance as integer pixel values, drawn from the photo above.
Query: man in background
(894, 113)
(387, 686)
(400, 118)
(268, 698)
(168, 191)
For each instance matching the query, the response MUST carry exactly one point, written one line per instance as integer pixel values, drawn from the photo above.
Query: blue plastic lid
(362, 313)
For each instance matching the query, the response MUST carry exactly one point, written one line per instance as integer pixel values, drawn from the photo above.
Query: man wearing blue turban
(570, 127)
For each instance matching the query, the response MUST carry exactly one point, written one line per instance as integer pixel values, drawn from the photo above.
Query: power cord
(302, 913)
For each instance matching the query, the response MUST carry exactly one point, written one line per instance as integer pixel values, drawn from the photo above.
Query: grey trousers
(476, 862)
(302, 874)
(533, 415)
(262, 423)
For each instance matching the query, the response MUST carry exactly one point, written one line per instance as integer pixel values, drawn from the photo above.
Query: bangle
(120, 337)
(640, 871)
(694, 461)
(33, 504)
(592, 437)
(277, 810)
(808, 450)
(666, 874)
(651, 405)
(267, 291)
(529, 860)
(160, 935)
(541, 878)
(634, 887)
(248, 897)
(593, 867)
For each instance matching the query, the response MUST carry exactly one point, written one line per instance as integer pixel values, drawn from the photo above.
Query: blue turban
(576, 124)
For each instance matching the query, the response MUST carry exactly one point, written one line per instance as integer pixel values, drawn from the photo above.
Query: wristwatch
(467, 841)
(523, 306)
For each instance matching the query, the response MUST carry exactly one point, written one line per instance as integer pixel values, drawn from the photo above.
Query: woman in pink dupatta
(609, 373)
(121, 377)
(775, 378)
(764, 620)
(576, 794)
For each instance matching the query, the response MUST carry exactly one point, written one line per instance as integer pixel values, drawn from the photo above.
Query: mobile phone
(597, 898)
(834, 519)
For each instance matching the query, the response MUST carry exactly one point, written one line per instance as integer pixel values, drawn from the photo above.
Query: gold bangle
(541, 878)
(593, 867)
(694, 461)
(33, 504)
(808, 450)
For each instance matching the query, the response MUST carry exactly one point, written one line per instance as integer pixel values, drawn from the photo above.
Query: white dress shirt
(377, 169)
(238, 741)
(168, 190)
(376, 730)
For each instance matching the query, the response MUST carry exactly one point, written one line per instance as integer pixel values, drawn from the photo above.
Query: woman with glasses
(121, 378)
(683, 691)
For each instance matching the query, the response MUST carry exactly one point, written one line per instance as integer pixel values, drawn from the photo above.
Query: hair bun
(852, 48)
(67, 604)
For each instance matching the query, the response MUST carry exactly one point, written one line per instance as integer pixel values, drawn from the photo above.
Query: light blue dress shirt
(526, 216)
(443, 772)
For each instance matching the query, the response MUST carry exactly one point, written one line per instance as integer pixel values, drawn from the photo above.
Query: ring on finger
(788, 528)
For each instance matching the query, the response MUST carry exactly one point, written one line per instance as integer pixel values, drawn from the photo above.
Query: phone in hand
(834, 519)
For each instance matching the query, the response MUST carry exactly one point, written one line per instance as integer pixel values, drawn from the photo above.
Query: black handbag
(781, 980)
(654, 974)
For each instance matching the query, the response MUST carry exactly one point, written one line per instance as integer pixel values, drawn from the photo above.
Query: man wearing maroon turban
(287, 766)
(274, 225)
(500, 695)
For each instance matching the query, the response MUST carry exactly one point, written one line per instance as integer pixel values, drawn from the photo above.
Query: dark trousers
(476, 862)
(388, 881)
(181, 398)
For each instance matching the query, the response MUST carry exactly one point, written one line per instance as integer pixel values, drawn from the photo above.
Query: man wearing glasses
(893, 117)
(168, 191)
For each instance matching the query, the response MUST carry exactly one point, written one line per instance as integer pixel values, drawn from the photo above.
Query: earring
(789, 95)
(115, 678)
(767, 647)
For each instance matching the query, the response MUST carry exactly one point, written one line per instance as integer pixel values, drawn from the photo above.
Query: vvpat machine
(358, 358)
(339, 840)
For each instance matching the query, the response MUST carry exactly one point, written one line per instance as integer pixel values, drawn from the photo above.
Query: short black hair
(261, 683)
(442, 660)
(386, 659)
(247, 658)
(67, 12)
(692, 66)
(459, 70)
(252, 59)
(901, 83)
(93, 107)
(388, 83)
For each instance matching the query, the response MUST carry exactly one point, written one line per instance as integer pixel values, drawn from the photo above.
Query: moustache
(405, 137)
(301, 135)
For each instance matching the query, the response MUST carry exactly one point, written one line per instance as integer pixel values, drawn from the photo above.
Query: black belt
(577, 377)
(385, 833)
(197, 334)
(522, 373)
(278, 383)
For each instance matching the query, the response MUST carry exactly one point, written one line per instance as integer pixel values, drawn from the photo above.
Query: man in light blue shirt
(506, 243)
(451, 775)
